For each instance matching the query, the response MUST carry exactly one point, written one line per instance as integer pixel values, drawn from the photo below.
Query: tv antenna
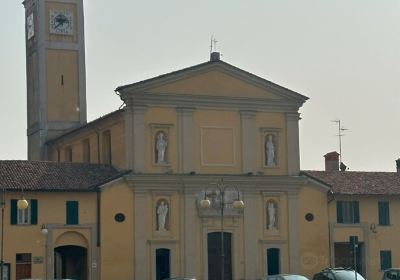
(340, 134)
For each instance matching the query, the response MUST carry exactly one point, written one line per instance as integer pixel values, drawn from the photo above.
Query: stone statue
(271, 215)
(270, 151)
(162, 211)
(161, 145)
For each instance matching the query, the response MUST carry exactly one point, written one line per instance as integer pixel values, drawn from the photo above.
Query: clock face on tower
(61, 22)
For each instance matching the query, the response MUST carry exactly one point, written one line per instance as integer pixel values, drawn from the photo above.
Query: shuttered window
(383, 210)
(72, 212)
(348, 212)
(28, 216)
(386, 259)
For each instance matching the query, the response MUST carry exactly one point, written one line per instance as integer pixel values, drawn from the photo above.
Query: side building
(361, 204)
(59, 235)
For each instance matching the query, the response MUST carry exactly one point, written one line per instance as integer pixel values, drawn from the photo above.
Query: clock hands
(60, 20)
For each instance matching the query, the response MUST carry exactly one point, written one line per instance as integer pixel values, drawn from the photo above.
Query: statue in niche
(270, 151)
(162, 212)
(161, 146)
(271, 213)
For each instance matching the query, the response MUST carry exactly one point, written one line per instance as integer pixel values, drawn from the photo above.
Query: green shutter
(34, 211)
(14, 212)
(339, 211)
(72, 213)
(386, 259)
(356, 212)
(383, 209)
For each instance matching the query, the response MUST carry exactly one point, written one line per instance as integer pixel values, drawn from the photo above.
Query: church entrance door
(162, 264)
(214, 256)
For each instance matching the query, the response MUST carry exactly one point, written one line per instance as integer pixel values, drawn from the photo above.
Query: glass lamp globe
(238, 204)
(205, 203)
(22, 203)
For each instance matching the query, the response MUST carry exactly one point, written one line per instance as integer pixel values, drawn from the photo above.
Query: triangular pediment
(214, 79)
(215, 83)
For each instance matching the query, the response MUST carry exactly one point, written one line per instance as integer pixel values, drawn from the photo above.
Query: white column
(248, 123)
(292, 128)
(251, 239)
(293, 223)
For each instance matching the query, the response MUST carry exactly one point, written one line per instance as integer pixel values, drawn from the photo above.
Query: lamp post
(237, 204)
(21, 204)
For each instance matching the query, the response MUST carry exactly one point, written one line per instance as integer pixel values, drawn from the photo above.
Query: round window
(119, 217)
(309, 217)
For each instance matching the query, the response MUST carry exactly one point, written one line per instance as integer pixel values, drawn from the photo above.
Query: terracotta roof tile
(356, 182)
(55, 176)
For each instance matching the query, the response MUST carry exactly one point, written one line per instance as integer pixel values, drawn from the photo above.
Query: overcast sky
(344, 55)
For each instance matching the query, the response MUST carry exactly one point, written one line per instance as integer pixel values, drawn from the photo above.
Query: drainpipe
(98, 217)
(331, 198)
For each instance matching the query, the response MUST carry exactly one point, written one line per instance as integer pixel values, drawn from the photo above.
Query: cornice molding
(149, 182)
(214, 102)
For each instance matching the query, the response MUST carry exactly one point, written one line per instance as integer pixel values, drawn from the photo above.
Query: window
(26, 216)
(348, 212)
(383, 209)
(72, 212)
(106, 147)
(86, 150)
(386, 259)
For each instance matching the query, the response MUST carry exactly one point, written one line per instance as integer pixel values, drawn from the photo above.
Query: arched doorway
(162, 264)
(70, 262)
(214, 242)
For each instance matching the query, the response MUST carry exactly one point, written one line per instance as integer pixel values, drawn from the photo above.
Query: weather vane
(340, 134)
(213, 44)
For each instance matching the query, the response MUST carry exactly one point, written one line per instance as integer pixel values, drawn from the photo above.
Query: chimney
(398, 165)
(332, 161)
(215, 56)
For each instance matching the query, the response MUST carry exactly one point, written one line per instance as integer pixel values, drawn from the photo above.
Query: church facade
(212, 182)
(192, 134)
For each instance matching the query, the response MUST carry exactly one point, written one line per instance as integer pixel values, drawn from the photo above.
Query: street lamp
(237, 204)
(21, 204)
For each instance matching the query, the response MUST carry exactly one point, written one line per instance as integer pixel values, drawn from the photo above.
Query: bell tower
(55, 69)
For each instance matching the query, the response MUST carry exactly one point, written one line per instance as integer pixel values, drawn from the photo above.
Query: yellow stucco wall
(382, 238)
(215, 83)
(75, 142)
(62, 85)
(217, 142)
(117, 237)
(51, 210)
(313, 235)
